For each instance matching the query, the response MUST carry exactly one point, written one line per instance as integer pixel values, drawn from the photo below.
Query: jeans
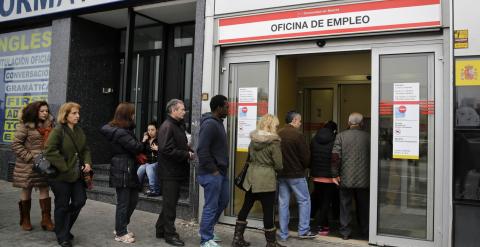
(151, 170)
(362, 201)
(267, 199)
(217, 195)
(166, 220)
(127, 199)
(300, 188)
(69, 200)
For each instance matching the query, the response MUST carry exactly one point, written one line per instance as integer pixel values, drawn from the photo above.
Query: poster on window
(406, 120)
(24, 74)
(246, 116)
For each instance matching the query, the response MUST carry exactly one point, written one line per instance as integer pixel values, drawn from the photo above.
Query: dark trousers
(69, 200)
(362, 201)
(127, 199)
(267, 199)
(322, 198)
(166, 220)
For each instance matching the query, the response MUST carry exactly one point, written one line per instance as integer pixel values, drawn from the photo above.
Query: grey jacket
(351, 158)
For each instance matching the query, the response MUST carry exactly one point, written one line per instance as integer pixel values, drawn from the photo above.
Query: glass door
(249, 83)
(405, 204)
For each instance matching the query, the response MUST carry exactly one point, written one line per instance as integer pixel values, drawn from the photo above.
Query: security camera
(321, 43)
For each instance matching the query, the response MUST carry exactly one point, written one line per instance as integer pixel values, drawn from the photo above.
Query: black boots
(270, 235)
(238, 240)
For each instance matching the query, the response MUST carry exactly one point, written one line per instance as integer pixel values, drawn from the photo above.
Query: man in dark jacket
(212, 173)
(296, 158)
(351, 171)
(173, 156)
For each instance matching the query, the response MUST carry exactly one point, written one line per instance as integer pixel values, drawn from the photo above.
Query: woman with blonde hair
(264, 159)
(32, 132)
(67, 150)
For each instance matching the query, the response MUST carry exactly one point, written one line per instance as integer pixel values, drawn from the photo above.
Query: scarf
(44, 132)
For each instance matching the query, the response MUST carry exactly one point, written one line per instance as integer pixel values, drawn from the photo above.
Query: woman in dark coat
(32, 132)
(66, 149)
(123, 169)
(320, 171)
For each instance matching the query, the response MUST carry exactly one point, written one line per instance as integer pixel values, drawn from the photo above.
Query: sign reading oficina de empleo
(19, 9)
(406, 120)
(350, 18)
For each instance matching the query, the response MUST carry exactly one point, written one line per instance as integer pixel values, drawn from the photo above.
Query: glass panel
(254, 76)
(184, 35)
(405, 186)
(148, 38)
(187, 98)
(136, 90)
(319, 110)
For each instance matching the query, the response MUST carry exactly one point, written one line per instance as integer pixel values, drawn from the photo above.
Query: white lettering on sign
(333, 20)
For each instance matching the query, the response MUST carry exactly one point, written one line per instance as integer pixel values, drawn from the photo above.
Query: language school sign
(363, 17)
(19, 9)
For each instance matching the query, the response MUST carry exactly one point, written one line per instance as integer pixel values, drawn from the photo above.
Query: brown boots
(45, 205)
(24, 207)
(238, 240)
(271, 237)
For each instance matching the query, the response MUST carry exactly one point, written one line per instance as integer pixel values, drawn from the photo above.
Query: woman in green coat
(69, 186)
(265, 160)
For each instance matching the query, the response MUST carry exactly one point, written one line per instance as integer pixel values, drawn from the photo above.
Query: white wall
(232, 6)
(466, 16)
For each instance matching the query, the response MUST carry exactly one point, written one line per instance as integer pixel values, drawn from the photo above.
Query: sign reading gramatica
(372, 16)
(19, 9)
(24, 74)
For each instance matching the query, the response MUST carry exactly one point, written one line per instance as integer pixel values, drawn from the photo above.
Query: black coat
(321, 151)
(151, 154)
(173, 150)
(124, 147)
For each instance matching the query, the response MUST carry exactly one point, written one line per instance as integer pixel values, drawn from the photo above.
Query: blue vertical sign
(24, 74)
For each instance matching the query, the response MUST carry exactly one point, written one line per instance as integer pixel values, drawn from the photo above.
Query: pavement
(95, 224)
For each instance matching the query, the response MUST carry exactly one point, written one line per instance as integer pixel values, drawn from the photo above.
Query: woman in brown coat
(31, 134)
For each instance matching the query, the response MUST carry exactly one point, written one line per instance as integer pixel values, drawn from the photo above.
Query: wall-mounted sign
(406, 120)
(467, 72)
(461, 39)
(364, 17)
(24, 74)
(246, 116)
(20, 9)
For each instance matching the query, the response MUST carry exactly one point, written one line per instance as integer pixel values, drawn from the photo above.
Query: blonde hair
(268, 123)
(65, 109)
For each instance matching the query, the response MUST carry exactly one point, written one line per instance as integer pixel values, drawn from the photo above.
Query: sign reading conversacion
(24, 74)
(363, 17)
(19, 9)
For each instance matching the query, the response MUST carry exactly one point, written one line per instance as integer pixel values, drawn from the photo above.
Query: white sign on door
(246, 116)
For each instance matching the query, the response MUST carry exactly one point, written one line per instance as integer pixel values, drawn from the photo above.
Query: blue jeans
(151, 170)
(217, 196)
(300, 188)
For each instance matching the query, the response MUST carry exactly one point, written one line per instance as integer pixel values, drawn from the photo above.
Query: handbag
(86, 176)
(141, 158)
(42, 166)
(240, 178)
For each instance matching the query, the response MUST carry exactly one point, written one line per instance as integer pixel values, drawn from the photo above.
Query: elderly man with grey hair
(173, 156)
(351, 172)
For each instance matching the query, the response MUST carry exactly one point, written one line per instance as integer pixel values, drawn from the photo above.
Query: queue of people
(278, 161)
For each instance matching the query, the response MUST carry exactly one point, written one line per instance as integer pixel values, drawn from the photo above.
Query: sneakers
(210, 243)
(216, 238)
(308, 235)
(324, 231)
(125, 239)
(131, 234)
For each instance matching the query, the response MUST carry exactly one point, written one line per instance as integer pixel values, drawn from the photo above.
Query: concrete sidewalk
(96, 222)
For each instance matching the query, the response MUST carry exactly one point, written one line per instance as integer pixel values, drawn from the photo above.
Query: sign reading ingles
(19, 9)
(363, 17)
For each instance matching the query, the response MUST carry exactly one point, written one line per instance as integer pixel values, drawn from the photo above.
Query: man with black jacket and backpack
(173, 157)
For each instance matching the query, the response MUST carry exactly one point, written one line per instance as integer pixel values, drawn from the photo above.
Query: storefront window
(183, 35)
(467, 130)
(148, 38)
(24, 74)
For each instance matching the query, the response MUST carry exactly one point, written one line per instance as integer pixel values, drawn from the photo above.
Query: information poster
(24, 74)
(406, 120)
(247, 116)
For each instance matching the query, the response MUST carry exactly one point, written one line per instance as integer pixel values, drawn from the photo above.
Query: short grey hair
(355, 118)
(172, 105)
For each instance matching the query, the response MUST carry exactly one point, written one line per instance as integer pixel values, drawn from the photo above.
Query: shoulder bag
(86, 176)
(240, 178)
